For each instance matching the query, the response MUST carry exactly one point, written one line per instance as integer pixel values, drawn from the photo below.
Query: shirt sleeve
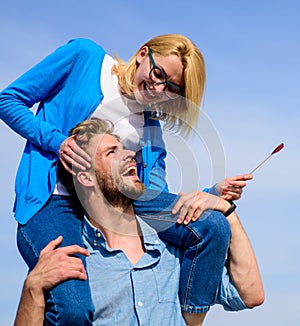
(227, 294)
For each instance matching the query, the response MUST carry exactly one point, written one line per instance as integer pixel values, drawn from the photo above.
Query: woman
(77, 81)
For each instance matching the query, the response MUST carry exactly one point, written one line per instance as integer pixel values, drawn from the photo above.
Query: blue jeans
(204, 243)
(69, 303)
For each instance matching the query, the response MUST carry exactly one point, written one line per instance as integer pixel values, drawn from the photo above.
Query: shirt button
(98, 234)
(145, 165)
(142, 143)
(140, 304)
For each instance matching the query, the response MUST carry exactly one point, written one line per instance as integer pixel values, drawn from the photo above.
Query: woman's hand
(232, 188)
(72, 156)
(193, 204)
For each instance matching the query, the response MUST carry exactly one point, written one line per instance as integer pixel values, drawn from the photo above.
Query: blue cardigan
(66, 84)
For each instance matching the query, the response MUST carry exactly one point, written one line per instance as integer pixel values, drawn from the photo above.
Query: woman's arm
(41, 84)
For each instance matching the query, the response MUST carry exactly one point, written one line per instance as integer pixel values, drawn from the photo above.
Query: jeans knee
(218, 228)
(212, 227)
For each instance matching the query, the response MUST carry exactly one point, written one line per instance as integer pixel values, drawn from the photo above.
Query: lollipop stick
(276, 150)
(260, 164)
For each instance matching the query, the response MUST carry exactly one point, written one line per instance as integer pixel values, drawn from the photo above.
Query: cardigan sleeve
(38, 85)
(157, 178)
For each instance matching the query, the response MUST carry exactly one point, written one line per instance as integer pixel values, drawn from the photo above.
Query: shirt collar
(150, 238)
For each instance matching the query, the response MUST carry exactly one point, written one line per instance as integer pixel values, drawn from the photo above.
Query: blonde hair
(180, 114)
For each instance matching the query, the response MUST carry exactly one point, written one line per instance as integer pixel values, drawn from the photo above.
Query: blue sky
(251, 105)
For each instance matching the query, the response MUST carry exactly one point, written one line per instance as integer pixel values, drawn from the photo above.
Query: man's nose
(128, 154)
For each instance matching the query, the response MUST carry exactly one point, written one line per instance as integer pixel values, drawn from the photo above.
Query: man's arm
(55, 265)
(32, 305)
(243, 266)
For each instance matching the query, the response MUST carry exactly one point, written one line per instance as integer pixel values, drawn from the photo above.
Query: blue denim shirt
(125, 294)
(145, 293)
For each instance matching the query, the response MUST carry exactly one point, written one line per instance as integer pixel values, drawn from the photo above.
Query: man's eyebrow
(113, 147)
(110, 147)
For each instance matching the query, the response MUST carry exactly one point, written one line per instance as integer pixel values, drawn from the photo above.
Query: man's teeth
(131, 171)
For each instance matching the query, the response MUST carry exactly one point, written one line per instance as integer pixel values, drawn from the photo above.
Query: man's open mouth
(130, 171)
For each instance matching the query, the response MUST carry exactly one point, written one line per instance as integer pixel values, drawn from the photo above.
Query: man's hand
(56, 265)
(232, 188)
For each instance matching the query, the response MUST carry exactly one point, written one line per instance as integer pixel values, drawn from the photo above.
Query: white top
(128, 125)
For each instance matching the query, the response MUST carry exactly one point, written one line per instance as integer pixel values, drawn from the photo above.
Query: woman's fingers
(189, 206)
(72, 155)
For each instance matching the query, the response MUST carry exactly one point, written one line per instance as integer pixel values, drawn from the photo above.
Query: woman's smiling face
(145, 91)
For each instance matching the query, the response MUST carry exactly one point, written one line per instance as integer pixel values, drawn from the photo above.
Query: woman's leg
(204, 243)
(69, 303)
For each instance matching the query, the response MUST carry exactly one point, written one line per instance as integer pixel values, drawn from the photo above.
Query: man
(133, 275)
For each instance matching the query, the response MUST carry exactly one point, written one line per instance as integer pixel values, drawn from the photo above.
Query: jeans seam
(185, 307)
(191, 272)
(29, 243)
(195, 233)
(37, 256)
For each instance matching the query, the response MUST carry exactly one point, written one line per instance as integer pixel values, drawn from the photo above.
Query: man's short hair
(84, 130)
(87, 129)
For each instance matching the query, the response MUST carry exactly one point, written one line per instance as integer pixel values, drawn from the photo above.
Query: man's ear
(85, 179)
(142, 54)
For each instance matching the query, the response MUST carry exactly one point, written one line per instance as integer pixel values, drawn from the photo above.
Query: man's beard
(116, 192)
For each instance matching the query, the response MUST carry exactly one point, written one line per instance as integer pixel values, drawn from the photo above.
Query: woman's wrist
(226, 207)
(231, 209)
(223, 205)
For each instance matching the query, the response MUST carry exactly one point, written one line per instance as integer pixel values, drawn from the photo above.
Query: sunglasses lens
(172, 91)
(157, 75)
